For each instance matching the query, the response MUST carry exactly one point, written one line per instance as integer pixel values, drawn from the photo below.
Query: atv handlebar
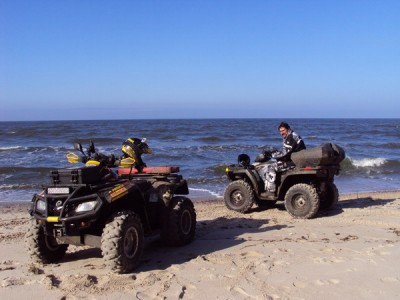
(91, 154)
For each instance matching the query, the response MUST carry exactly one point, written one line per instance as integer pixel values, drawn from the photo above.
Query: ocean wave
(12, 148)
(369, 167)
(369, 162)
(167, 137)
(20, 186)
(209, 139)
(17, 175)
(211, 180)
(97, 140)
(18, 169)
(373, 145)
(391, 146)
(33, 149)
(200, 193)
(217, 169)
(311, 137)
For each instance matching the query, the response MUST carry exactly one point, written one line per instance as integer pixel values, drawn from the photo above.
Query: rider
(133, 148)
(292, 142)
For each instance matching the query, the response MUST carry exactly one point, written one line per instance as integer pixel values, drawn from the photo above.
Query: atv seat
(148, 170)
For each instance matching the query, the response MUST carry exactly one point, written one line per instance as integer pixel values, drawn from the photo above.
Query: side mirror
(91, 148)
(78, 146)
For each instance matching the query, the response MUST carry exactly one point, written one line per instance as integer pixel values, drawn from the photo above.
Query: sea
(202, 148)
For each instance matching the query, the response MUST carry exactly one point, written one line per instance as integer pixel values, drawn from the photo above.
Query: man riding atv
(292, 142)
(302, 178)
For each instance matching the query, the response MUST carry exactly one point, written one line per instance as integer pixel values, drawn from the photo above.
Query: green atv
(305, 185)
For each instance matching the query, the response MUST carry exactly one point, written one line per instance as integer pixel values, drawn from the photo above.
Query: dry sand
(349, 253)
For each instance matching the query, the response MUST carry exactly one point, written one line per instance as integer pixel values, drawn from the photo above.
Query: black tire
(180, 222)
(239, 196)
(43, 248)
(122, 242)
(330, 198)
(302, 201)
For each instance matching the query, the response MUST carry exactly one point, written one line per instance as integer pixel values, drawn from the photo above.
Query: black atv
(96, 205)
(306, 184)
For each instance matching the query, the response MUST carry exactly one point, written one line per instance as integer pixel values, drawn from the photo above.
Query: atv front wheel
(180, 222)
(302, 201)
(239, 196)
(41, 247)
(329, 198)
(122, 242)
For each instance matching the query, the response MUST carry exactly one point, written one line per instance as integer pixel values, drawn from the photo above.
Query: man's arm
(292, 144)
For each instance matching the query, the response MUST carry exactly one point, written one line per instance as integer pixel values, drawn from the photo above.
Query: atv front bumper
(63, 214)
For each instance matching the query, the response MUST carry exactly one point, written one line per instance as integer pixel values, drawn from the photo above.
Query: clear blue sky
(199, 59)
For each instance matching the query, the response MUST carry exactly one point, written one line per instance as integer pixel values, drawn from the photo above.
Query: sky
(74, 60)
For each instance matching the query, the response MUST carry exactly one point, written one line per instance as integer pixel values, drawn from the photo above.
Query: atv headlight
(86, 206)
(41, 206)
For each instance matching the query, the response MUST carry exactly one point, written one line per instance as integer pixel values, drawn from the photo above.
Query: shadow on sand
(363, 202)
(211, 236)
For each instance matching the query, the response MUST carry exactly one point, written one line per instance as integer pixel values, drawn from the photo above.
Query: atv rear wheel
(180, 222)
(122, 242)
(41, 247)
(239, 196)
(302, 201)
(329, 198)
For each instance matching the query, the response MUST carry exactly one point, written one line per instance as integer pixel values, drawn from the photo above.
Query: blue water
(201, 148)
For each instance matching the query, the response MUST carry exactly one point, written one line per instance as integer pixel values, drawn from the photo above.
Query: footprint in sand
(324, 260)
(327, 282)
(251, 254)
(144, 296)
(241, 292)
(300, 284)
(280, 263)
(390, 279)
(13, 281)
(7, 267)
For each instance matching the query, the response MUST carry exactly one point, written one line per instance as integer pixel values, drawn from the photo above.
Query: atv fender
(125, 188)
(248, 174)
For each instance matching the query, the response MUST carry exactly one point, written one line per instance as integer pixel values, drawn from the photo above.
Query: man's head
(283, 129)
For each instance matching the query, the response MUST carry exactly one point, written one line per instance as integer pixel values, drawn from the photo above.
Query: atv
(109, 204)
(305, 184)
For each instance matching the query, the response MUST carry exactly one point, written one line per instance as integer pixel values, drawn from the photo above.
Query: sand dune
(350, 252)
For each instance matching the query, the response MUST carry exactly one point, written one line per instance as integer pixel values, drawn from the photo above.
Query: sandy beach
(348, 253)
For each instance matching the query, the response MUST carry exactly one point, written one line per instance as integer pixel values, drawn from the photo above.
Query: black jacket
(291, 143)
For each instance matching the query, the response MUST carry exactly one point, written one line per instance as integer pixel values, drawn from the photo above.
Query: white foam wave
(369, 162)
(3, 177)
(205, 191)
(12, 148)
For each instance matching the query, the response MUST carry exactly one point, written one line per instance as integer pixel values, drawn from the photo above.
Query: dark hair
(284, 124)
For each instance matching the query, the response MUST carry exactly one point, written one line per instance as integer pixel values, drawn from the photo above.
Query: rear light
(309, 168)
